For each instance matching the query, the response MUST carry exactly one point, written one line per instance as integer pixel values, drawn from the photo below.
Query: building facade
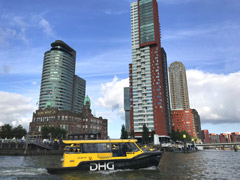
(79, 89)
(205, 136)
(147, 92)
(74, 123)
(197, 123)
(127, 108)
(178, 86)
(167, 94)
(60, 87)
(62, 97)
(214, 138)
(183, 120)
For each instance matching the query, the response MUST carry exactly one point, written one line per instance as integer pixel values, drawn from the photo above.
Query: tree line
(54, 132)
(175, 135)
(9, 132)
(145, 134)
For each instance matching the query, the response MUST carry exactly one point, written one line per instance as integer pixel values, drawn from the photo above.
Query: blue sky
(203, 34)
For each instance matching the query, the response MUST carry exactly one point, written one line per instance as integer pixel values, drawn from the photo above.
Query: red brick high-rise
(147, 75)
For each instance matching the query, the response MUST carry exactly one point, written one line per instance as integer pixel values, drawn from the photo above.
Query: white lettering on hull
(101, 166)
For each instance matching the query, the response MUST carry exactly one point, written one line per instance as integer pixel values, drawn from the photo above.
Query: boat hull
(144, 160)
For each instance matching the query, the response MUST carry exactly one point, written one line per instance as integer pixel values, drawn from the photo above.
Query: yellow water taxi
(98, 155)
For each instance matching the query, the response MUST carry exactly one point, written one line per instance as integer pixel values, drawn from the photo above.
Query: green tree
(124, 134)
(6, 131)
(56, 132)
(132, 134)
(145, 134)
(178, 135)
(45, 132)
(19, 132)
(173, 135)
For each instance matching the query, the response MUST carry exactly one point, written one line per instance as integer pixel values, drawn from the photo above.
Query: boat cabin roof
(99, 141)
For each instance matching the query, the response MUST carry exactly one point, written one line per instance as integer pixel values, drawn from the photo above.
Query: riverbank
(23, 149)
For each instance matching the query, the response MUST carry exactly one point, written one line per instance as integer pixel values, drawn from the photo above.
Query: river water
(211, 164)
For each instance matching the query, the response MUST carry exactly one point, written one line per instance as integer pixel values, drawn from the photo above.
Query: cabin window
(131, 147)
(96, 148)
(119, 149)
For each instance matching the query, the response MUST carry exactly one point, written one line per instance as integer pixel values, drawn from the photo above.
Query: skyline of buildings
(146, 72)
(62, 97)
(227, 137)
(183, 117)
(189, 65)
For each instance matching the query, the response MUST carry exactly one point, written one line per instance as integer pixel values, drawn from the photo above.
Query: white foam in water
(24, 171)
(112, 171)
(153, 168)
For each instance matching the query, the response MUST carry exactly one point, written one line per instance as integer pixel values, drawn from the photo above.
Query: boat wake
(113, 171)
(23, 172)
(153, 168)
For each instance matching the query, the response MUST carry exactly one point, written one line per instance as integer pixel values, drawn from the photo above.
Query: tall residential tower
(147, 89)
(178, 86)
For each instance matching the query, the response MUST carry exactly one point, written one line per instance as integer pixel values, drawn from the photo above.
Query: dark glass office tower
(78, 94)
(167, 94)
(60, 87)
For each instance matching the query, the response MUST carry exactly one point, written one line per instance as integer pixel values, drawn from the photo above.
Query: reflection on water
(199, 165)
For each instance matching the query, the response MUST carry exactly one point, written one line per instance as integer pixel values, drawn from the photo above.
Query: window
(96, 148)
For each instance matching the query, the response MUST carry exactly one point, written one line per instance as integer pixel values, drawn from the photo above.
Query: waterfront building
(127, 108)
(60, 87)
(226, 137)
(205, 136)
(197, 123)
(214, 138)
(146, 73)
(183, 120)
(235, 137)
(74, 123)
(62, 96)
(167, 94)
(178, 86)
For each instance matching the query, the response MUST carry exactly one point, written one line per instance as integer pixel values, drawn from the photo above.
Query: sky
(204, 35)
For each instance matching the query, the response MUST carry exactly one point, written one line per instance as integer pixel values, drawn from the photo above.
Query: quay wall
(21, 149)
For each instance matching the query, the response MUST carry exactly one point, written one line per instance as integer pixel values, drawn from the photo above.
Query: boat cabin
(117, 148)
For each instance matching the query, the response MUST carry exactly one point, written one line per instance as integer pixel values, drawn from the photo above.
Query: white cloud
(113, 95)
(15, 29)
(110, 12)
(47, 28)
(15, 109)
(215, 30)
(34, 83)
(215, 96)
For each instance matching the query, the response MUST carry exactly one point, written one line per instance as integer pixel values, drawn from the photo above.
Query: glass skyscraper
(58, 77)
(78, 94)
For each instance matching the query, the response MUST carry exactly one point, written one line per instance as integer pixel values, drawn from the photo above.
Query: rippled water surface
(215, 165)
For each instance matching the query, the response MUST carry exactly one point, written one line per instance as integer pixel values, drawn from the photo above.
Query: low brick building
(184, 120)
(73, 123)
